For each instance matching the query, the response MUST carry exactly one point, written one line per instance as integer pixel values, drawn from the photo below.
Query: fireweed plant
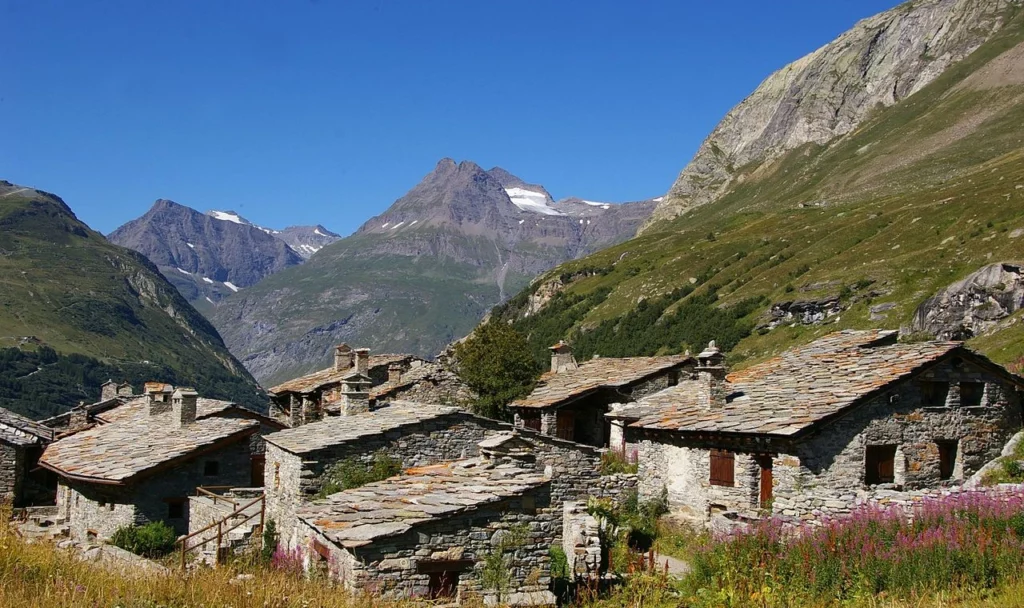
(968, 540)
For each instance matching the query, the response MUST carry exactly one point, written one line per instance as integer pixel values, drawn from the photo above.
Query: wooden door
(256, 464)
(566, 425)
(765, 463)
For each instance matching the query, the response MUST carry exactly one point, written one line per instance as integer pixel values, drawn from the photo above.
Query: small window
(103, 503)
(879, 464)
(531, 422)
(723, 468)
(947, 459)
(211, 468)
(971, 393)
(175, 508)
(933, 394)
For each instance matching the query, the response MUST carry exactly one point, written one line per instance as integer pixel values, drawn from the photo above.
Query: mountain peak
(229, 216)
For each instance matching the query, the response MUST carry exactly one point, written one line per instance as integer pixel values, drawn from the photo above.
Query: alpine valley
(421, 274)
(877, 182)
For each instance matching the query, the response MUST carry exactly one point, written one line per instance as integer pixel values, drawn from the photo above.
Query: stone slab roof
(118, 452)
(360, 516)
(336, 430)
(415, 375)
(787, 394)
(138, 408)
(555, 389)
(19, 430)
(312, 382)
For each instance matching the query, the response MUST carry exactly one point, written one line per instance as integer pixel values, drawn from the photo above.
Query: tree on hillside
(495, 362)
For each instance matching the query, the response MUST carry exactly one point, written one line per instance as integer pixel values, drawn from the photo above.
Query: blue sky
(327, 111)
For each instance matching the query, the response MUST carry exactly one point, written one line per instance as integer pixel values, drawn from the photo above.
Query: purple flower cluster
(966, 538)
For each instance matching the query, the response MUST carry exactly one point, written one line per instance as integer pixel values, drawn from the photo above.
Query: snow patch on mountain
(229, 216)
(230, 286)
(530, 200)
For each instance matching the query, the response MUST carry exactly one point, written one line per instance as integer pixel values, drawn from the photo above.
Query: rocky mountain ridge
(206, 256)
(895, 218)
(420, 274)
(76, 308)
(829, 93)
(304, 240)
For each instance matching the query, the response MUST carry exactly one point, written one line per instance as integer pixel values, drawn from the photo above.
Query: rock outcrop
(881, 61)
(974, 305)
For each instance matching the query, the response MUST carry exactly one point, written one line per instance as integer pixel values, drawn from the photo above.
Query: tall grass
(966, 541)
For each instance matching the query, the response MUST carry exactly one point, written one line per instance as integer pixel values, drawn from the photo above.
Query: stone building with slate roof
(571, 400)
(822, 427)
(427, 383)
(309, 397)
(426, 533)
(142, 462)
(21, 443)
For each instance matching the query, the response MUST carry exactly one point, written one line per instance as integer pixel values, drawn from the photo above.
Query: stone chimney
(310, 409)
(184, 404)
(711, 372)
(125, 390)
(363, 361)
(108, 390)
(394, 373)
(561, 358)
(355, 394)
(159, 397)
(343, 357)
(79, 416)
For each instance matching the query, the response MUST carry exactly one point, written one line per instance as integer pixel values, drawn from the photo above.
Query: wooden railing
(210, 491)
(221, 531)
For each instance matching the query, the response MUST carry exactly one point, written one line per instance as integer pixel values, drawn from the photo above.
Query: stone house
(822, 427)
(571, 400)
(142, 466)
(432, 383)
(21, 443)
(427, 532)
(310, 397)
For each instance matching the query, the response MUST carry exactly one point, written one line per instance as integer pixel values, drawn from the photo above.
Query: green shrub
(352, 473)
(614, 462)
(154, 539)
(269, 542)
(495, 362)
(559, 562)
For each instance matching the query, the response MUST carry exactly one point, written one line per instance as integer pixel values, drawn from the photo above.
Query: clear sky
(326, 111)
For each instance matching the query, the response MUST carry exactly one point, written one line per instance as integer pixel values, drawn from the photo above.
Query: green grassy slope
(64, 287)
(920, 195)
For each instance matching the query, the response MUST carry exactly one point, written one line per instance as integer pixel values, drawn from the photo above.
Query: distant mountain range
(420, 274)
(76, 310)
(210, 256)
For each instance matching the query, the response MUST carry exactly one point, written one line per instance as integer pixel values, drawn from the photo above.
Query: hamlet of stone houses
(852, 418)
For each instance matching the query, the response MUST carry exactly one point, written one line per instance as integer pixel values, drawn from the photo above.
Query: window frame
(878, 455)
(930, 391)
(979, 387)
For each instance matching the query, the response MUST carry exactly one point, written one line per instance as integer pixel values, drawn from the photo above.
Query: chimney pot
(355, 394)
(711, 371)
(342, 357)
(159, 397)
(363, 361)
(561, 358)
(108, 390)
(394, 373)
(184, 404)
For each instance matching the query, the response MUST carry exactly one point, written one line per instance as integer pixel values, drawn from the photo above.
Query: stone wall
(100, 509)
(824, 474)
(390, 567)
(12, 468)
(441, 387)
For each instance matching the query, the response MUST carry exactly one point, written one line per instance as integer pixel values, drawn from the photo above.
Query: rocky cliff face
(206, 256)
(973, 305)
(877, 64)
(420, 274)
(306, 240)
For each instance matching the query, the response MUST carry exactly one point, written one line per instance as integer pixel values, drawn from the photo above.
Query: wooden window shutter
(880, 464)
(566, 425)
(723, 468)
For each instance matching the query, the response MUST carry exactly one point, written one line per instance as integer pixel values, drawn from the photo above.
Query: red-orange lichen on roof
(787, 394)
(555, 388)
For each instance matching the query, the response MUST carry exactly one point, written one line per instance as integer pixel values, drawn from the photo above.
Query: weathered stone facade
(98, 510)
(402, 566)
(12, 470)
(923, 420)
